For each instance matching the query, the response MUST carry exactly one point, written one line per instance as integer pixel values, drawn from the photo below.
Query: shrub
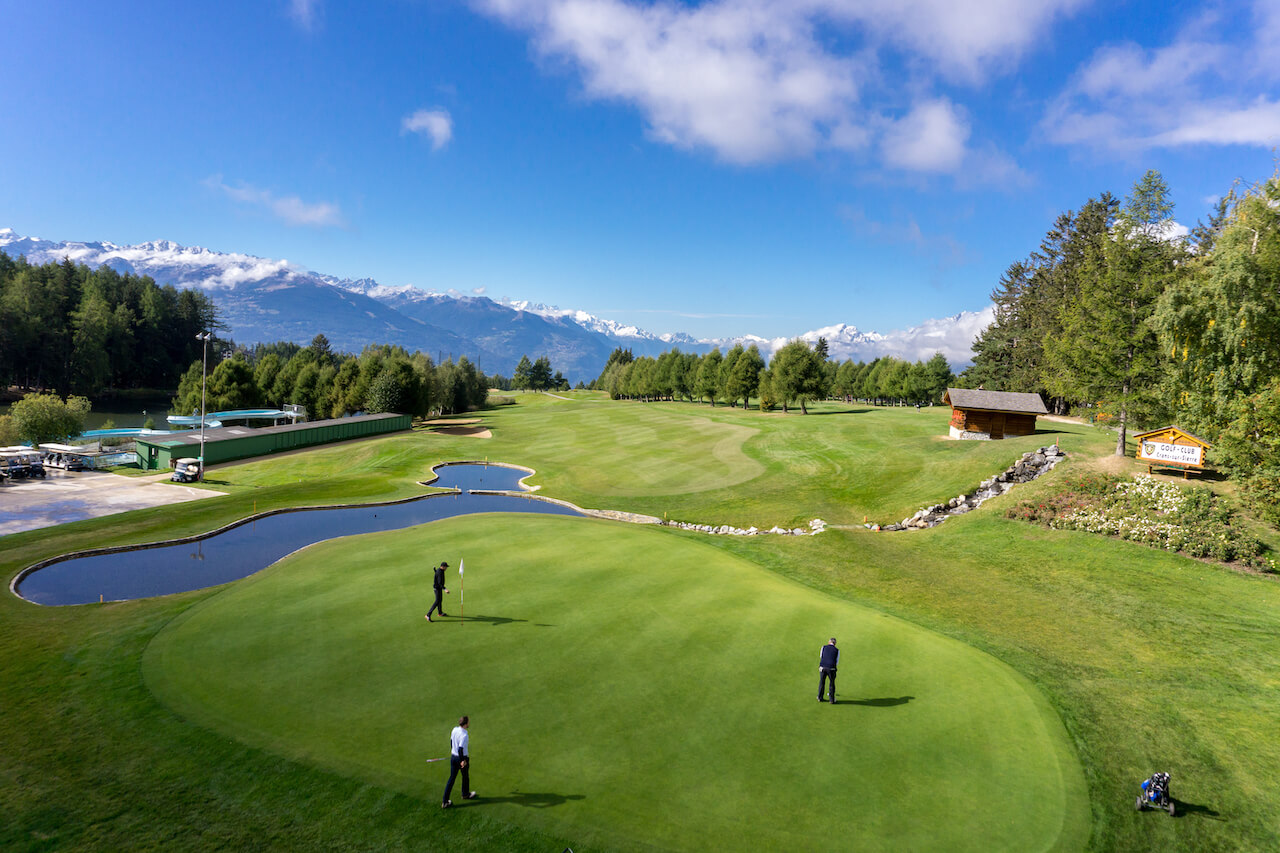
(1163, 515)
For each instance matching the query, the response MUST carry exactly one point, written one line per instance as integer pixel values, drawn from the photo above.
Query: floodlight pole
(204, 376)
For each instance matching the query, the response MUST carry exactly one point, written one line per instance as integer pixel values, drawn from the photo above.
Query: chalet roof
(995, 401)
(1171, 428)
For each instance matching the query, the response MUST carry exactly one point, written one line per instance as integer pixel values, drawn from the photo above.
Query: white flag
(462, 564)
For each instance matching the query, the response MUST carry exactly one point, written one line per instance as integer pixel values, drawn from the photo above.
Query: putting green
(628, 688)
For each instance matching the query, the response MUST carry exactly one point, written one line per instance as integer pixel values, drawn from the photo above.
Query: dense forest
(67, 328)
(382, 378)
(78, 331)
(797, 374)
(1117, 317)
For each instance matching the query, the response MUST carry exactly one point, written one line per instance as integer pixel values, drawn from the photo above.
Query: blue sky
(719, 168)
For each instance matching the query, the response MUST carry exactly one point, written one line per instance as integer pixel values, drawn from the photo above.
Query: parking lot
(65, 496)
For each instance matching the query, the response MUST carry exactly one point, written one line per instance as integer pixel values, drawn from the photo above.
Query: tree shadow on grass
(1184, 809)
(878, 703)
(529, 800)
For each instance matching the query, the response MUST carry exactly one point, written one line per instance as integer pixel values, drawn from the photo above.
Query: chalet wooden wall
(995, 424)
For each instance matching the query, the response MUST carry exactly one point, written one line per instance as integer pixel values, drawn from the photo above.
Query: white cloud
(1202, 88)
(952, 336)
(965, 39)
(1225, 124)
(930, 138)
(305, 13)
(436, 125)
(739, 78)
(756, 81)
(289, 209)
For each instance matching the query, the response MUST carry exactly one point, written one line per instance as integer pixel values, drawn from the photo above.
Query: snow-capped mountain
(261, 299)
(605, 327)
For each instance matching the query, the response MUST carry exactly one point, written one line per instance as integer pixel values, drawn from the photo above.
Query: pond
(253, 545)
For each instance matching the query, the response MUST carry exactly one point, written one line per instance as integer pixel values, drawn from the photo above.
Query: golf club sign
(1171, 447)
(1179, 454)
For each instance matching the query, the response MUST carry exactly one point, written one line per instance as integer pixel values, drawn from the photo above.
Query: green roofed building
(223, 444)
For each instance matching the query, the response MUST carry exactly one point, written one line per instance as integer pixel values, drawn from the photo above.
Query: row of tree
(1117, 315)
(797, 374)
(381, 378)
(75, 330)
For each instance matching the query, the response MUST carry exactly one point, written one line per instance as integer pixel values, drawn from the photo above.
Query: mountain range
(263, 300)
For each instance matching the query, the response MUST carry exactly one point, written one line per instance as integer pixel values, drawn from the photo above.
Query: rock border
(816, 526)
(1032, 464)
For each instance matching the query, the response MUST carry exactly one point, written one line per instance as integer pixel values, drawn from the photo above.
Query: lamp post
(204, 375)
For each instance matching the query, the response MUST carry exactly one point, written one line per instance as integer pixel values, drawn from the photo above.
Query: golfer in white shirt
(459, 759)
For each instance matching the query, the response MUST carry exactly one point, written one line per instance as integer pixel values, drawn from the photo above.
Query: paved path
(74, 495)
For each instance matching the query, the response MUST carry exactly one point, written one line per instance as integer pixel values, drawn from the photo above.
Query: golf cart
(1155, 794)
(16, 464)
(63, 456)
(186, 470)
(35, 463)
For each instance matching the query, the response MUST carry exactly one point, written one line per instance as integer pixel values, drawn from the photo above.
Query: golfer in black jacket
(827, 660)
(438, 585)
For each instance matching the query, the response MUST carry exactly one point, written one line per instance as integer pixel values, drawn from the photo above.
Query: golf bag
(1155, 794)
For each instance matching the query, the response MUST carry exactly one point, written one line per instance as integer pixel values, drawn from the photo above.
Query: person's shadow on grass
(1183, 809)
(878, 703)
(529, 800)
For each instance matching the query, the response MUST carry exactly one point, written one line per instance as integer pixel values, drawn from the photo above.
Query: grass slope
(729, 466)
(606, 691)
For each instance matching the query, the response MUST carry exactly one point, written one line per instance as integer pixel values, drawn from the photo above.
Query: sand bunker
(466, 432)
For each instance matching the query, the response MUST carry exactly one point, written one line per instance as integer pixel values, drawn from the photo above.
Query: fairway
(733, 466)
(629, 688)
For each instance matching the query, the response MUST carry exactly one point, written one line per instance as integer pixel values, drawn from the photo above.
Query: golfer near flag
(462, 591)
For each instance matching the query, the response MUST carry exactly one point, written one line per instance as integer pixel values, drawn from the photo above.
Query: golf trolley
(1155, 794)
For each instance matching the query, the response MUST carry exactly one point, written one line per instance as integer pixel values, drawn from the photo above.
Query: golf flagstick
(462, 591)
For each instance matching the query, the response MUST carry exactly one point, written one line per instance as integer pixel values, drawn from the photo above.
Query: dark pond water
(252, 546)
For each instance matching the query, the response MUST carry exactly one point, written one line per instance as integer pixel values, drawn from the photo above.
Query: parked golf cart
(34, 460)
(15, 464)
(186, 470)
(63, 456)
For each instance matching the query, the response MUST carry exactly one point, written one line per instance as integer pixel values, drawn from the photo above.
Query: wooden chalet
(1173, 448)
(991, 415)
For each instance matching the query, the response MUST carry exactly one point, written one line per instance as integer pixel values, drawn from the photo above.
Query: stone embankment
(815, 527)
(1032, 464)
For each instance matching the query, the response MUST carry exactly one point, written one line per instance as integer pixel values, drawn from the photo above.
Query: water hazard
(254, 545)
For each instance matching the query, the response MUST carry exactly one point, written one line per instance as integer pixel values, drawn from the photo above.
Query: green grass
(1150, 661)
(729, 466)
(605, 692)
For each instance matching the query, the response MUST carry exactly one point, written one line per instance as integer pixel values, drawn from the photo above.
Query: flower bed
(1191, 521)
